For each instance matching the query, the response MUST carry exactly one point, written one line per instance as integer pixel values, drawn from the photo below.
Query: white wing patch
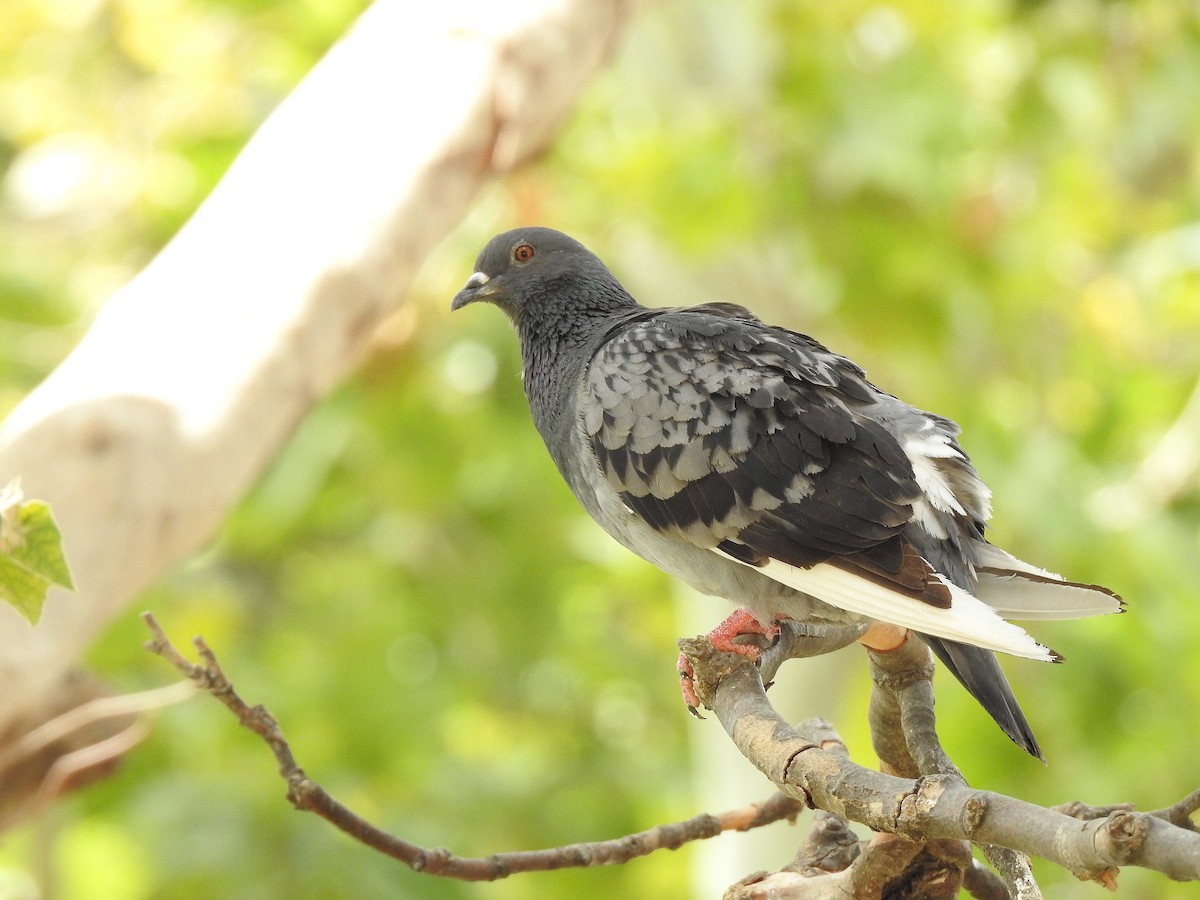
(921, 452)
(940, 469)
(968, 620)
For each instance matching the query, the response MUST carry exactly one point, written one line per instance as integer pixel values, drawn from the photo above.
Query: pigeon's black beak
(478, 287)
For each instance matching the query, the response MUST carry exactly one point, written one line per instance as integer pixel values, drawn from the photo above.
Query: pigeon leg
(884, 637)
(724, 638)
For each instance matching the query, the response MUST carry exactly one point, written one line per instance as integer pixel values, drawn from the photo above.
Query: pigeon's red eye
(522, 253)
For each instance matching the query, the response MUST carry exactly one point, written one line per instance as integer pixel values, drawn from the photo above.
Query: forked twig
(307, 795)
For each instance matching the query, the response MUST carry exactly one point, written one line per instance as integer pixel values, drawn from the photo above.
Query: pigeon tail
(979, 672)
(1017, 590)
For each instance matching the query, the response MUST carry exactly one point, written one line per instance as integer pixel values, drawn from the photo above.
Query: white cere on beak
(479, 279)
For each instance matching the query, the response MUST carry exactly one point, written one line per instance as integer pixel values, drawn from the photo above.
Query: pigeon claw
(687, 685)
(725, 637)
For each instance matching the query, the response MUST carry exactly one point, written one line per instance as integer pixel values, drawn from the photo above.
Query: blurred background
(993, 206)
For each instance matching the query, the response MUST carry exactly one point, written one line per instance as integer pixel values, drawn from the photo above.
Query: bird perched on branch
(758, 466)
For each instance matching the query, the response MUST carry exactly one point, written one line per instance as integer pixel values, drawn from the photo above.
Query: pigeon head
(543, 274)
(561, 299)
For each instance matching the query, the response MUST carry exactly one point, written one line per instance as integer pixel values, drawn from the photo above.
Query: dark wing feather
(716, 428)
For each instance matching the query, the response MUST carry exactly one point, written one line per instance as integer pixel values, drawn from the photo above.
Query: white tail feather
(1019, 596)
(968, 620)
(1016, 589)
(991, 556)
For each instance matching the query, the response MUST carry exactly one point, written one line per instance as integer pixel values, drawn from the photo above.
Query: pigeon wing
(761, 445)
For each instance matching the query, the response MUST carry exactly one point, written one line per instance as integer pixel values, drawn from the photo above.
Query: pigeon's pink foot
(724, 638)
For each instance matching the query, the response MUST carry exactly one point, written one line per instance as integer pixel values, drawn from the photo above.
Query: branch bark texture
(932, 806)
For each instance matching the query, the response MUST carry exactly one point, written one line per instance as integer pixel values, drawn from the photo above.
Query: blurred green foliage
(992, 205)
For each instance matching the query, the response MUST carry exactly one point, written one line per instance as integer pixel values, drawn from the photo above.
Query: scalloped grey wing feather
(706, 421)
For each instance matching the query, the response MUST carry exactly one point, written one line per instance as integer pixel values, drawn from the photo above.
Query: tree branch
(937, 813)
(144, 437)
(1180, 814)
(929, 807)
(308, 796)
(833, 864)
(904, 734)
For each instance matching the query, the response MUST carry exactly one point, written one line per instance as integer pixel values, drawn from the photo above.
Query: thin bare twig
(1180, 814)
(69, 767)
(75, 740)
(89, 714)
(307, 795)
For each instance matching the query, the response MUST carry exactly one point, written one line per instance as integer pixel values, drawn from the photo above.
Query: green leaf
(31, 557)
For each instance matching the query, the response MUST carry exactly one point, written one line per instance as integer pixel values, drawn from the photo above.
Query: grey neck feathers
(560, 331)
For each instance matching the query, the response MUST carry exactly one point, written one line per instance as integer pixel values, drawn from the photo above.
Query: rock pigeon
(756, 465)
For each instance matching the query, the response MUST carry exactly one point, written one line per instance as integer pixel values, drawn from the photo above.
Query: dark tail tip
(979, 672)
